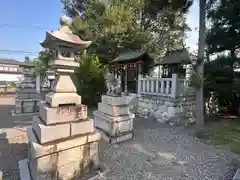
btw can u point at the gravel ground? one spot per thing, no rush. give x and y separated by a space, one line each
13 139
157 152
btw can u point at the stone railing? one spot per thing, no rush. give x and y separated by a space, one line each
170 87
183 88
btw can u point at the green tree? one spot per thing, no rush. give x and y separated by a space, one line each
41 62
223 35
118 26
225 18
89 78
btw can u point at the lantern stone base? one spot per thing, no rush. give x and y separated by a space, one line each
62 141
114 121
95 174
53 155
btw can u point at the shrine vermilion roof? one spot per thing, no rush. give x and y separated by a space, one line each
64 34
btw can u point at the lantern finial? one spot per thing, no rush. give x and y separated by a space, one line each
64 21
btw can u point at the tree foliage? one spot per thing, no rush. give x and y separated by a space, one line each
224 33
219 78
117 26
41 62
89 78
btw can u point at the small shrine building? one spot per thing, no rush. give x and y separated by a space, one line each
164 93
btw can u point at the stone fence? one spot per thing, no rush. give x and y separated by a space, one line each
169 87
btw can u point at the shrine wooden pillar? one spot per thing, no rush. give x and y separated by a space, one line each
139 78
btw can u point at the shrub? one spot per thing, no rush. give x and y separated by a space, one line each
219 78
89 79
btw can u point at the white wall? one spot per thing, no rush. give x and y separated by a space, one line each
10 77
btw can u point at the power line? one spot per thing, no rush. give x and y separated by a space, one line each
23 26
8 51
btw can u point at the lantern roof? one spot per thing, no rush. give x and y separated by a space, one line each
63 35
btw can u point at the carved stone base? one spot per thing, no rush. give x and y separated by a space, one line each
98 173
56 99
113 118
114 126
117 139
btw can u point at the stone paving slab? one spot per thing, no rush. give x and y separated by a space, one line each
157 152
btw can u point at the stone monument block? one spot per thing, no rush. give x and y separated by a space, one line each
113 110
47 134
62 162
37 150
82 127
116 100
113 118
112 126
62 114
56 99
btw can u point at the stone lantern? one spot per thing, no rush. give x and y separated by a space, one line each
64 45
62 141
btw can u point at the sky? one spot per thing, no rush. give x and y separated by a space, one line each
24 23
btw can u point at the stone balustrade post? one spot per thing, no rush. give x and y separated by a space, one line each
174 85
139 84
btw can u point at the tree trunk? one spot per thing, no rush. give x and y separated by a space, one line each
200 68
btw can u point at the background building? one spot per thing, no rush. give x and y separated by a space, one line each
11 70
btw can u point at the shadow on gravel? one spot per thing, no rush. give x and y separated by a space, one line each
10 154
